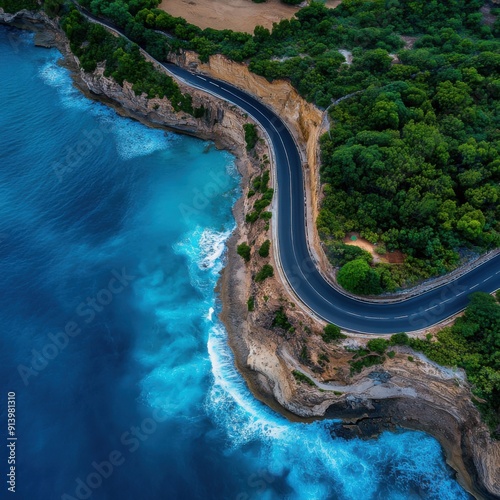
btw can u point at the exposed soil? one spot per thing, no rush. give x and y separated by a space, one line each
395 257
409 41
237 15
488 18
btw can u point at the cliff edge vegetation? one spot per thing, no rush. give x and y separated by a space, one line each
411 162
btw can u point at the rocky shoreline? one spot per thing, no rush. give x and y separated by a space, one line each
400 393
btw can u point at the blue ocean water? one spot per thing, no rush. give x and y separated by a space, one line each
111 242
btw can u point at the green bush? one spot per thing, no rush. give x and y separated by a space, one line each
251 304
266 272
281 321
377 345
365 362
264 182
252 217
13 6
391 354
358 277
264 249
331 333
251 136
243 251
399 339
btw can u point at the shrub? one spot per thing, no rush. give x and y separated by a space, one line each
410 358
281 321
264 182
243 251
266 215
13 6
391 354
251 135
259 205
300 377
358 277
332 333
251 304
304 354
266 272
365 362
399 339
264 249
378 345
252 217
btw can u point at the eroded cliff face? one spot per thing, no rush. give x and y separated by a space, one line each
306 122
413 394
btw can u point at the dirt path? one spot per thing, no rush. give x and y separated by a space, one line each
237 15
395 257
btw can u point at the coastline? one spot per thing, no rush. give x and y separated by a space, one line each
235 283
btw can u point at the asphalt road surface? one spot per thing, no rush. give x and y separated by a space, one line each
311 288
299 269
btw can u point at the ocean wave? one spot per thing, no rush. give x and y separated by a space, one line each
204 249
398 465
132 139
230 402
58 77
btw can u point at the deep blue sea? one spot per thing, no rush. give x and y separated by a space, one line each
111 242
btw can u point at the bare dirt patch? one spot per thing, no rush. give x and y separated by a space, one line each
488 18
236 15
409 41
395 257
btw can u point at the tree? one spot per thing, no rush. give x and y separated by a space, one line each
266 272
251 135
243 251
264 249
378 345
358 277
332 333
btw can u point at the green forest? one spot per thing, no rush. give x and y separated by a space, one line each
411 162
94 44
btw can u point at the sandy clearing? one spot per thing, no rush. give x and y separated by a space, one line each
390 257
237 15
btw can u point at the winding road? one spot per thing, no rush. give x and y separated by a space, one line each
310 287
297 264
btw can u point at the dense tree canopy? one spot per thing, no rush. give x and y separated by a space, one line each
412 160
93 44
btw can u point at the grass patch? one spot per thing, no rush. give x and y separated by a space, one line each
300 377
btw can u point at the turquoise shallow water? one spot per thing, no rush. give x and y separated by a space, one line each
114 233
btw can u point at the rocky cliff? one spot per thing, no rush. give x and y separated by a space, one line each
306 122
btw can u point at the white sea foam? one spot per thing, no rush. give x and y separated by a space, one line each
132 139
210 314
212 245
58 77
230 401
